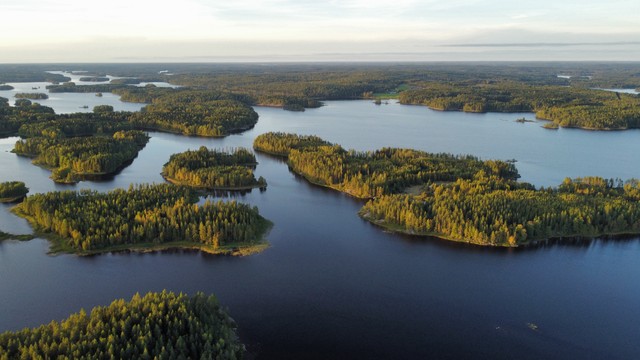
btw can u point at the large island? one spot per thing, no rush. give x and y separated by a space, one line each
460 198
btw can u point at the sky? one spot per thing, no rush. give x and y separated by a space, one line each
317 30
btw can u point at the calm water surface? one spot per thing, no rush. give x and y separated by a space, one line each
334 286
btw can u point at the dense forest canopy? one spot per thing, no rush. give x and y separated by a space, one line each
199 117
487 210
32 96
213 169
374 173
70 158
24 112
565 106
12 190
154 326
142 216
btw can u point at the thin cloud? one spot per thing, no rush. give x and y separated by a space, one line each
545 44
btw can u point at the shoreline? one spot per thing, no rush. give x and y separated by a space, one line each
204 188
58 244
399 229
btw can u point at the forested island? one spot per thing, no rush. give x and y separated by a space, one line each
199 113
32 96
373 173
460 198
94 79
7 236
12 191
4 87
213 169
566 106
154 326
143 218
72 158
487 210
187 112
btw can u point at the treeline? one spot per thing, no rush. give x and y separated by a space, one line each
375 173
142 216
71 87
32 96
71 158
29 73
12 190
24 112
280 144
154 326
490 211
188 112
565 106
22 237
213 169
94 79
199 117
103 121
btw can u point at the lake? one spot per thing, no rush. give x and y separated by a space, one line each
334 286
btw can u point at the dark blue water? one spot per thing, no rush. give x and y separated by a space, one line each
334 286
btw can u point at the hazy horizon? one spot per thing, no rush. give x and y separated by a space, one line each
49 31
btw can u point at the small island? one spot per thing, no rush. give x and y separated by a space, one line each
32 96
94 79
4 87
71 159
143 218
12 191
194 114
213 170
7 236
154 326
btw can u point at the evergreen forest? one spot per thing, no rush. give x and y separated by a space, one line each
161 325
213 169
373 173
144 216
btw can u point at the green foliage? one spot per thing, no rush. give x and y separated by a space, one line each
155 326
33 96
71 87
94 78
77 156
25 112
492 211
374 173
101 122
213 169
11 190
279 143
146 214
195 113
565 106
22 237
